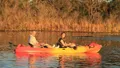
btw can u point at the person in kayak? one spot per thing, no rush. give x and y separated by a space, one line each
32 41
61 43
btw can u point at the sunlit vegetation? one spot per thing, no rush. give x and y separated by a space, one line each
60 15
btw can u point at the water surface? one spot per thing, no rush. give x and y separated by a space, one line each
108 57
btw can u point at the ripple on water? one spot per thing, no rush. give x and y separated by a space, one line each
7 59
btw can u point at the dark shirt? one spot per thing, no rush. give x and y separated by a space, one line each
59 43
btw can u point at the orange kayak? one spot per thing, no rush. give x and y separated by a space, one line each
92 48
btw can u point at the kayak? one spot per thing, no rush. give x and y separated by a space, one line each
91 48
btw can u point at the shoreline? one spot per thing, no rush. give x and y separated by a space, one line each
53 31
61 27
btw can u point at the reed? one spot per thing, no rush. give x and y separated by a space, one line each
52 16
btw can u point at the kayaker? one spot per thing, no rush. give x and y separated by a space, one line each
32 40
61 43
34 43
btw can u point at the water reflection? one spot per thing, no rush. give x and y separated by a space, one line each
37 60
31 61
83 60
61 61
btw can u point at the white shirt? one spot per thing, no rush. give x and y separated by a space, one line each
32 40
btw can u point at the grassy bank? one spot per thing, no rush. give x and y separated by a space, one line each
53 15
62 25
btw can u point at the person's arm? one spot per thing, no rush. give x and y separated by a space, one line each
64 44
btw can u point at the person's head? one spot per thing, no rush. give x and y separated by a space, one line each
33 33
63 34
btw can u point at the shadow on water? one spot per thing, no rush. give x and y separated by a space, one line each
109 53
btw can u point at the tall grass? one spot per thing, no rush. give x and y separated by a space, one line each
51 15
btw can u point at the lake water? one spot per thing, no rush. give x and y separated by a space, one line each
108 57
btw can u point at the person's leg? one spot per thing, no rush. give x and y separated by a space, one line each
48 46
71 45
30 44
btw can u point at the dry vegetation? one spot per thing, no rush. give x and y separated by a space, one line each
60 15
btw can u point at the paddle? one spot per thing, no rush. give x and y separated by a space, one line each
12 46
